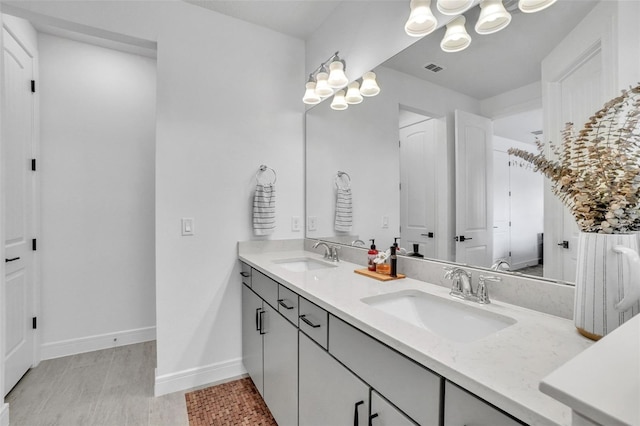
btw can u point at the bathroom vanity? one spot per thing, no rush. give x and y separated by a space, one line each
327 346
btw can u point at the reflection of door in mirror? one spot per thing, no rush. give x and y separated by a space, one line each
418 182
474 193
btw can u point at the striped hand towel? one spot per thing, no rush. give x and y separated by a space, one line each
344 210
264 209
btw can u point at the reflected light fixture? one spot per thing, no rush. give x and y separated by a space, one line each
532 6
339 103
456 38
369 86
421 20
337 77
310 96
453 7
353 95
493 17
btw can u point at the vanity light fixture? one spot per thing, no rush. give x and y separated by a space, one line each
353 95
493 17
453 7
456 38
369 86
421 20
310 96
532 6
322 84
339 103
337 78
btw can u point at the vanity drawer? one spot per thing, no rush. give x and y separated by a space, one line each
411 387
463 408
288 304
265 287
245 271
313 321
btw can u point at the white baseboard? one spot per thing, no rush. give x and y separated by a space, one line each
4 415
194 377
95 343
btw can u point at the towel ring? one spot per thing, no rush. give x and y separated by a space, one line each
340 179
263 169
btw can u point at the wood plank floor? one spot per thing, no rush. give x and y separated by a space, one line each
111 387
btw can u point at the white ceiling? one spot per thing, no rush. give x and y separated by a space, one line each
297 18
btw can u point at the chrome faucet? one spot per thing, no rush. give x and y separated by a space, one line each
462 288
330 252
358 243
501 265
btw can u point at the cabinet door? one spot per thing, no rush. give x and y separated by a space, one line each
463 408
280 367
251 337
329 393
385 414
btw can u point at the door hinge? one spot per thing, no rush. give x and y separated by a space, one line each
33 86
509 223
33 164
34 322
509 254
400 186
33 244
509 193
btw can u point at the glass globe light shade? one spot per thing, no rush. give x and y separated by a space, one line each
310 96
339 103
322 86
337 77
456 38
532 6
353 95
421 20
369 86
453 7
493 17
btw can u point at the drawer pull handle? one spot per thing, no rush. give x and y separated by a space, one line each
371 417
356 420
309 323
245 274
12 259
262 322
282 303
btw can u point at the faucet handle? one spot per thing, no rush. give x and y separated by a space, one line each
334 253
482 292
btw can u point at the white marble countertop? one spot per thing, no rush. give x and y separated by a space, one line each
603 382
504 368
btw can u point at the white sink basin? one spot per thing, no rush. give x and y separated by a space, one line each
303 264
450 319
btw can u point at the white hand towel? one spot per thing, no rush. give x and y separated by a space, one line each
264 209
344 210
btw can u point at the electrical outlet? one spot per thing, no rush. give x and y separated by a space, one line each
295 223
312 223
385 222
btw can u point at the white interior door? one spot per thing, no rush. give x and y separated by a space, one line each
501 206
474 193
17 187
418 183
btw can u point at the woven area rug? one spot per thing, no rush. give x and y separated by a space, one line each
232 403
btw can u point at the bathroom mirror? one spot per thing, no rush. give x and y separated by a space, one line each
424 189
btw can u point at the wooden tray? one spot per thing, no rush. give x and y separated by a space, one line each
380 277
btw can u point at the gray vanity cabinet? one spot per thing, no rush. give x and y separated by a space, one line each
280 340
329 393
251 337
463 408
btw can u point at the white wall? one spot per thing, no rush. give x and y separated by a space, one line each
228 100
97 172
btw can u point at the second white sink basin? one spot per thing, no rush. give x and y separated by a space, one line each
450 319
302 264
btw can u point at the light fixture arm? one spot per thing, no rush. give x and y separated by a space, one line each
323 65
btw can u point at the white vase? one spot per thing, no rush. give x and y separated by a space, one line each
607 282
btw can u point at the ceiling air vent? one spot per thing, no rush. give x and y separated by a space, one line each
537 132
433 67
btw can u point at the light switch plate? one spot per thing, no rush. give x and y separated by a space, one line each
295 223
187 226
385 222
312 223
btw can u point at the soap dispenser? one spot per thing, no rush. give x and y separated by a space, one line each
371 255
394 261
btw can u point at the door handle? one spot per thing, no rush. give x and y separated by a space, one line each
428 235
462 238
245 274
262 322
258 325
356 420
371 417
12 259
564 244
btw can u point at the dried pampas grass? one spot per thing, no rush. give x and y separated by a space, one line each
597 171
